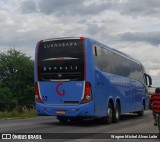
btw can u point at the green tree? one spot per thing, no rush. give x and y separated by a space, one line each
7 102
16 75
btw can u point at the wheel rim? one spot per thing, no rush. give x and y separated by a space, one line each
117 113
110 113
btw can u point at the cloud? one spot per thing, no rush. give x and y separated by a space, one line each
25 22
148 37
73 7
138 8
28 6
133 8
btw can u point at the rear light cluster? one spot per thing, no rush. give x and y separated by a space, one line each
37 94
87 93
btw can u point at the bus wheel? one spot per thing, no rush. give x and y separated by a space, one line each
116 113
141 113
75 119
109 117
62 119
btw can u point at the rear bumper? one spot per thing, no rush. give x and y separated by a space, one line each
83 110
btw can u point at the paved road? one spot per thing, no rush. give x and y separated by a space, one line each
129 123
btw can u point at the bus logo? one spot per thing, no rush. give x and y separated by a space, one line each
57 90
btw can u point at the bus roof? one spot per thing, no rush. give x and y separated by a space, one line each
61 38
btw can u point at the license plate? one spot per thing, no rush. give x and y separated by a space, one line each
60 112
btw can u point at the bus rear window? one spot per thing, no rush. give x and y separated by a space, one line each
61 59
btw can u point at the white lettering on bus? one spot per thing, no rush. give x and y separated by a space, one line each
60 68
63 44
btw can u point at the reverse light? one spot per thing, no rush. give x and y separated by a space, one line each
37 94
87 93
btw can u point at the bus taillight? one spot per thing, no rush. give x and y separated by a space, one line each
37 94
87 93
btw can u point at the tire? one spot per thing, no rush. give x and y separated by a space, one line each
108 119
75 119
141 113
116 113
62 119
158 122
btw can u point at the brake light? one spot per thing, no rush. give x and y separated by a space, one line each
87 93
82 38
37 94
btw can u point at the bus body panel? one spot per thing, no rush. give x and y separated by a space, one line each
112 88
130 92
58 93
84 110
66 96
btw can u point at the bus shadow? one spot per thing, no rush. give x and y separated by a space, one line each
128 117
94 122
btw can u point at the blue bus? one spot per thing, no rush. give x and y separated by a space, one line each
78 78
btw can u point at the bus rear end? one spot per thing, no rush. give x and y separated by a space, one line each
61 88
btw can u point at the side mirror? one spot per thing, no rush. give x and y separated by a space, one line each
148 79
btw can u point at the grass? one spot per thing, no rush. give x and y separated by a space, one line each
26 113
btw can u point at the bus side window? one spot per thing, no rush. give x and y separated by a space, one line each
95 50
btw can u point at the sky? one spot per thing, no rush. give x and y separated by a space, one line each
131 26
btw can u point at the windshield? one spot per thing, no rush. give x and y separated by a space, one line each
61 59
